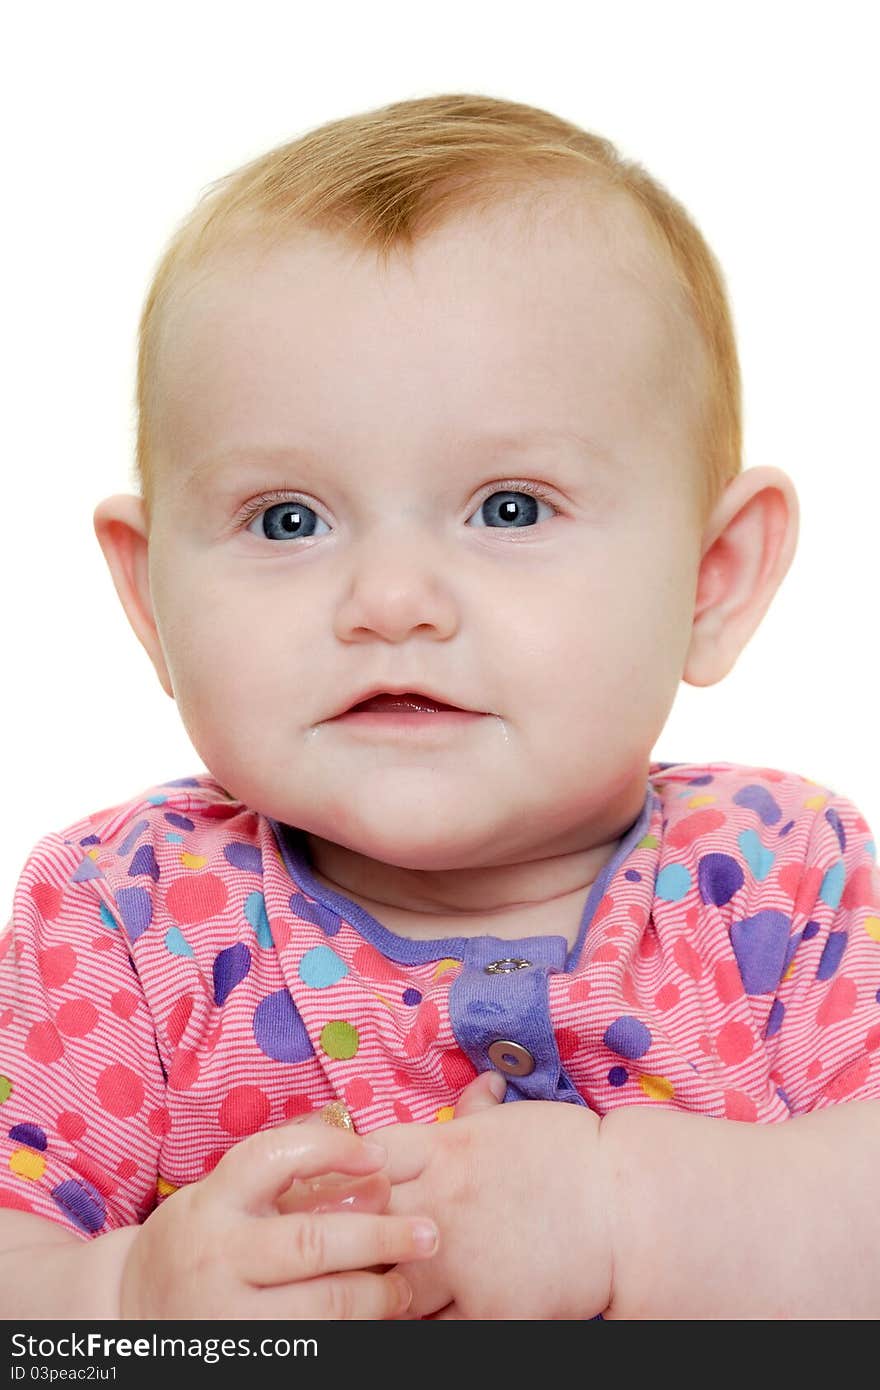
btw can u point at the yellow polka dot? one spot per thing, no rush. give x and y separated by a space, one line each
657 1087
815 803
789 972
93 853
164 1188
193 861
445 1112
872 927
443 965
27 1164
383 1000
704 800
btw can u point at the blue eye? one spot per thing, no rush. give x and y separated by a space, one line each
288 520
510 509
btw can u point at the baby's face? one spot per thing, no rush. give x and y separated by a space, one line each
388 408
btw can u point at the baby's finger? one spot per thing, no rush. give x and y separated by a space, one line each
256 1171
358 1296
337 1192
283 1249
481 1094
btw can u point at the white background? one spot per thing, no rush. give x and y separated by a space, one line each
760 118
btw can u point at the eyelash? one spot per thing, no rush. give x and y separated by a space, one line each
268 499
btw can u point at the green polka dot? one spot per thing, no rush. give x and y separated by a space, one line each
5 1088
339 1039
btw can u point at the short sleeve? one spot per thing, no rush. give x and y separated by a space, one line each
823 1029
82 1088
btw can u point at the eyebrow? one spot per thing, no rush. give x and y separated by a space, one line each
236 457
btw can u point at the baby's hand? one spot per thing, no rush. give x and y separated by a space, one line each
221 1248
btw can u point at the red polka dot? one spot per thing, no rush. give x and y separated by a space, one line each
369 962
628 990
94 1173
403 1113
458 1070
123 1003
579 991
103 943
71 1126
872 1041
739 1106
6 1018
210 1161
56 965
605 952
734 1043
120 1091
602 910
77 1018
245 1110
296 1105
43 1043
615 929
728 981
687 959
567 1043
196 898
402 1079
126 1168
5 943
838 1003
179 1018
858 890
848 1080
358 1093
648 944
213 1037
813 1070
693 826
159 1120
184 1071
667 997
424 1031
48 900
9 1198
704 1043
280 929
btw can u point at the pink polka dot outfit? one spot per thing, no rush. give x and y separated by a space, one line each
174 978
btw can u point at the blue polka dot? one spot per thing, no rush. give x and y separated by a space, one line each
32 1135
321 916
627 1036
255 912
618 1076
82 1203
230 968
774 1019
321 967
279 1031
673 883
810 930
411 996
831 956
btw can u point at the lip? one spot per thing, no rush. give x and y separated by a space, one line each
368 694
410 726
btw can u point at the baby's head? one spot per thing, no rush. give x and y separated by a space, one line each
350 349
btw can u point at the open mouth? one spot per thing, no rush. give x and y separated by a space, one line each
411 702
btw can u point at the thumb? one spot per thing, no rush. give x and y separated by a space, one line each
486 1091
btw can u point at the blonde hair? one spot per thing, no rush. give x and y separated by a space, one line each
388 176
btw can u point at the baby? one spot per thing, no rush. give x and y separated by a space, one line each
440 498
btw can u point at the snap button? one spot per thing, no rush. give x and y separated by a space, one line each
511 1058
505 966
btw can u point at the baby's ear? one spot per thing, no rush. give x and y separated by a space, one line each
121 527
486 1091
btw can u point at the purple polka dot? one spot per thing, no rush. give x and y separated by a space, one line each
836 824
618 1076
783 1096
786 828
627 1036
89 840
317 913
144 862
719 876
131 838
82 1203
831 955
279 1031
810 930
633 875
182 822
757 798
759 944
136 910
242 856
32 1135
411 996
230 968
774 1019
